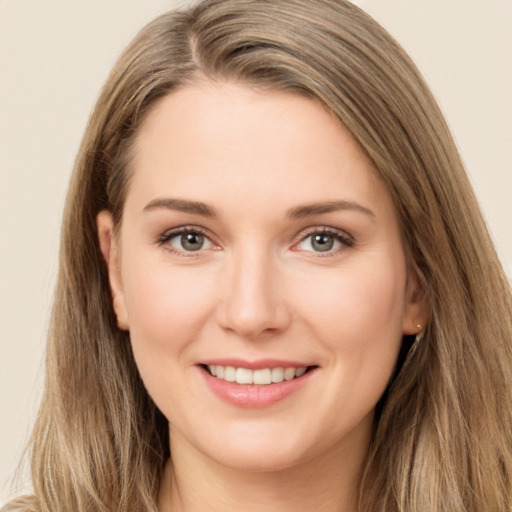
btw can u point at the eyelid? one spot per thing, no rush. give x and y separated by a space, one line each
342 236
169 234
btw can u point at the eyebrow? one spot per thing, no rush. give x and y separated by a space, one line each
308 210
181 205
299 212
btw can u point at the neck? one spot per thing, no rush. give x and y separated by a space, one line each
193 482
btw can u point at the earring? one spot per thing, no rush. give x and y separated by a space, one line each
415 344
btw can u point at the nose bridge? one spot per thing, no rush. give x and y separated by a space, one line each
252 301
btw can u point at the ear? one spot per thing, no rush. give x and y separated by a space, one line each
417 310
110 251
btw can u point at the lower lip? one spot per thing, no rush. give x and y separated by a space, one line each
255 396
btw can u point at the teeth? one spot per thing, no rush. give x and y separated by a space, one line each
261 377
299 372
243 376
289 373
277 375
230 374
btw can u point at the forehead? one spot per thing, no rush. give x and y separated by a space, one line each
222 140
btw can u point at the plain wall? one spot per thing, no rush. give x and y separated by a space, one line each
54 57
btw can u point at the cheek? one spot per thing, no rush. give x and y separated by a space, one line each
357 319
353 299
356 315
167 308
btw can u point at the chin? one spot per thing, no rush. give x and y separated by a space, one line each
249 447
258 460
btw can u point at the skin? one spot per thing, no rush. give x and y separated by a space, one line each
259 288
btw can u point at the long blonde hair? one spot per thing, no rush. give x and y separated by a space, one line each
443 433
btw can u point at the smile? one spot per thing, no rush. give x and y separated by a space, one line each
262 376
257 383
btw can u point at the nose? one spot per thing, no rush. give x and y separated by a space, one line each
253 302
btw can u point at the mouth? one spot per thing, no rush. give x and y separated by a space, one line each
256 384
260 376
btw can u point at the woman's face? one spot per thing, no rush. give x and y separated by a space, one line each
257 243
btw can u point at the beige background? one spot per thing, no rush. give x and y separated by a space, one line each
54 56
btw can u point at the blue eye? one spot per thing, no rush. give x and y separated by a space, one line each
188 241
324 242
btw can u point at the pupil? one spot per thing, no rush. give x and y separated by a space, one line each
192 241
322 243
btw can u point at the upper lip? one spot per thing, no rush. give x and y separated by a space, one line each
256 364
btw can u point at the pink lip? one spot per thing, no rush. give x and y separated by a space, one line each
255 396
255 365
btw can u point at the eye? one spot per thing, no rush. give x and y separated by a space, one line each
187 240
324 241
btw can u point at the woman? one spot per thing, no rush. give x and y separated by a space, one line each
276 289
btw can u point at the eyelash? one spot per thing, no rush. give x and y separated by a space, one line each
346 241
166 237
343 238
